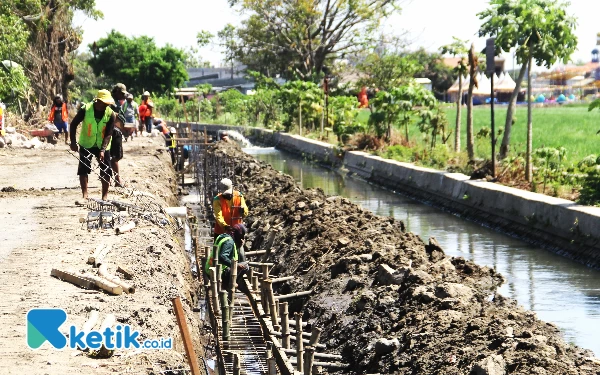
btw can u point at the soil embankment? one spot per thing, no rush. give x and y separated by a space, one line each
388 301
40 230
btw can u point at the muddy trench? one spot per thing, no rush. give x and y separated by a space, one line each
386 300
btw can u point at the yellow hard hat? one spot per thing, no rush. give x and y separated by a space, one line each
105 97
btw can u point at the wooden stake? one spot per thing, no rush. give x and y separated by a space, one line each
255 283
271 302
285 326
185 334
272 366
315 336
214 291
232 288
264 299
299 343
198 264
73 278
293 295
236 364
225 315
309 358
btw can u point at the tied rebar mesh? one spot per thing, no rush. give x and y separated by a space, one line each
143 206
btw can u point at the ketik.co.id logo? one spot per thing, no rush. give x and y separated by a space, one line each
44 325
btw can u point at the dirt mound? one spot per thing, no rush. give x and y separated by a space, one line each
387 300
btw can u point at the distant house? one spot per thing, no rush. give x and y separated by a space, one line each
221 79
425 82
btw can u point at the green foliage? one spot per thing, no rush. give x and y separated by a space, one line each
590 190
13 82
301 38
86 84
305 95
542 25
434 122
431 66
458 48
138 63
396 107
549 162
343 113
386 71
266 107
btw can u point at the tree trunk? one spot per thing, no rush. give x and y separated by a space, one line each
528 166
510 112
458 106
470 141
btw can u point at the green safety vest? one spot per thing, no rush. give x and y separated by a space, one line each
217 249
92 132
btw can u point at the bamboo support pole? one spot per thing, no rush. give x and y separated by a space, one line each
232 288
282 279
125 271
225 315
264 267
104 284
103 272
261 264
185 334
264 300
315 336
316 364
293 323
91 322
269 351
99 254
257 252
271 303
255 283
285 326
309 358
272 366
214 291
198 263
73 278
295 339
125 228
299 342
293 295
317 355
236 364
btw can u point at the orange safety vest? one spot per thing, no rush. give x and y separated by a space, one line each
65 113
232 216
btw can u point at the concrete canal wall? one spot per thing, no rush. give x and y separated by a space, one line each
561 225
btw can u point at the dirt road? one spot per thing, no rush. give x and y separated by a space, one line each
40 230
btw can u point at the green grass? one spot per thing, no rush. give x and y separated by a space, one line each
569 126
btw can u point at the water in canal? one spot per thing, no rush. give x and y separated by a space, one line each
557 289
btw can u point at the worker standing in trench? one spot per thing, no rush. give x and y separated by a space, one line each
229 207
226 248
94 141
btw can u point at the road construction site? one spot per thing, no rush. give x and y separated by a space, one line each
334 288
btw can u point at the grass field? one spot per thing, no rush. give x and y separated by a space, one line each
569 126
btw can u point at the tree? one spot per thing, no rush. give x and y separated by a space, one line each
457 48
386 71
50 39
538 29
430 65
473 64
138 63
301 38
398 106
86 84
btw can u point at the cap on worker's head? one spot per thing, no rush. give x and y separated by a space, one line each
129 96
146 93
58 96
173 130
226 186
239 231
105 97
119 87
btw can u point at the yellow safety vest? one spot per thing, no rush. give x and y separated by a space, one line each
217 249
92 131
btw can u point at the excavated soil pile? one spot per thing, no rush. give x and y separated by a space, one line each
388 301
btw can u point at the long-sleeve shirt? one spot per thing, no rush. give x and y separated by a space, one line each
218 213
226 253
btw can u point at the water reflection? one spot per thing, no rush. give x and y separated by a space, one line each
557 289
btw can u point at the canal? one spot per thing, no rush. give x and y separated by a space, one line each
557 289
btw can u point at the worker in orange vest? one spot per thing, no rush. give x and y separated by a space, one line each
229 208
59 116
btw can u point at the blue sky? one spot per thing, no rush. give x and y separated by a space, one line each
428 23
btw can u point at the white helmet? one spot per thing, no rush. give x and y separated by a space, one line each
173 130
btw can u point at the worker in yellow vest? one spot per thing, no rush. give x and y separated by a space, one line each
94 140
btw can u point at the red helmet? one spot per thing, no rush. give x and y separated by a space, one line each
238 231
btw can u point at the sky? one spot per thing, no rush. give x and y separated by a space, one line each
425 23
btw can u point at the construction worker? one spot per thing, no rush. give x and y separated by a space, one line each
119 93
229 207
169 134
59 116
96 133
130 109
227 246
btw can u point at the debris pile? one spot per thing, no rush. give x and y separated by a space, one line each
386 300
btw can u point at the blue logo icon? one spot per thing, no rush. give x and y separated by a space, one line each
44 324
